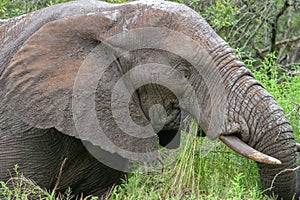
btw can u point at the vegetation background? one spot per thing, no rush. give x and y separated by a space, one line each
266 36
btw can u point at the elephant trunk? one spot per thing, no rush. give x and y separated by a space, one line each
277 141
266 128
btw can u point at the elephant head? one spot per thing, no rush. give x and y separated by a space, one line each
129 68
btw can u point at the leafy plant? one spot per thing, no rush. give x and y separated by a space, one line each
283 86
22 188
19 187
9 9
199 173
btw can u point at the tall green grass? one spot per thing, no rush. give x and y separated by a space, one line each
200 172
204 170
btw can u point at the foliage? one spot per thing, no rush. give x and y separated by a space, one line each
256 27
283 86
221 15
13 8
205 170
21 188
200 173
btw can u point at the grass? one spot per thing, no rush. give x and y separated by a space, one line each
199 172
204 170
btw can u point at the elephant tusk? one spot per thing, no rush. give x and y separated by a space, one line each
242 148
298 146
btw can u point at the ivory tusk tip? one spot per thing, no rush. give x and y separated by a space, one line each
242 148
268 160
263 158
275 161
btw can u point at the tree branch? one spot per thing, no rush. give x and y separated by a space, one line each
257 50
281 56
251 9
281 43
274 25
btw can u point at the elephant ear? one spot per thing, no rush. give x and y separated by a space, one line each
38 82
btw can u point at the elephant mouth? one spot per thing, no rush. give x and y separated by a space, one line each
169 122
173 120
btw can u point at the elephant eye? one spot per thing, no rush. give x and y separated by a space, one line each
183 69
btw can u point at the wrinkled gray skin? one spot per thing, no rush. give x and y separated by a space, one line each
40 55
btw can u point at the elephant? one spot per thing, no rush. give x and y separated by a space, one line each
134 70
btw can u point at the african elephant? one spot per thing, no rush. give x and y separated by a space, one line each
64 66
